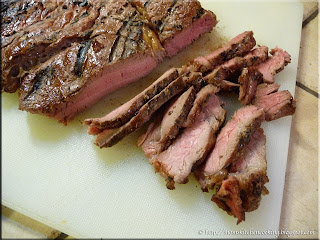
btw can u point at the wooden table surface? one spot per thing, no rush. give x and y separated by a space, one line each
299 216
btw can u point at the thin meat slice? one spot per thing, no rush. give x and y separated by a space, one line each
231 142
276 105
241 191
142 116
266 89
274 64
123 114
229 86
192 145
200 102
237 47
232 69
249 80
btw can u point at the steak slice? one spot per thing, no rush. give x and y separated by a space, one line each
232 69
192 145
266 89
274 64
237 47
241 191
231 142
177 22
143 115
249 80
276 105
123 114
165 128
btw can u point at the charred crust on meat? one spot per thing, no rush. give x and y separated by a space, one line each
81 57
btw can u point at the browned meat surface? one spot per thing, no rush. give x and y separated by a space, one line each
241 191
192 145
231 142
143 115
249 80
121 115
265 89
237 47
113 44
274 64
276 105
165 128
177 22
232 69
229 86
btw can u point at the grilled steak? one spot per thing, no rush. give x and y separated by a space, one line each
113 44
249 80
177 22
232 69
121 115
161 133
143 115
237 47
231 142
274 64
276 105
266 89
192 145
241 191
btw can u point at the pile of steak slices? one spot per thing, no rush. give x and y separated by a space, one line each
186 132
65 55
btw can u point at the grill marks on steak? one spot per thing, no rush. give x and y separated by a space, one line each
232 69
237 47
121 115
231 142
192 145
241 191
143 115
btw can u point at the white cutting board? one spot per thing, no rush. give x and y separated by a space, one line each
55 174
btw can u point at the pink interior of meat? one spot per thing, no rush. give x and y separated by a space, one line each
112 78
188 35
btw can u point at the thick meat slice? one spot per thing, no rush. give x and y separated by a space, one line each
200 102
165 128
265 89
232 69
177 22
231 142
274 64
237 47
192 145
241 191
276 105
143 115
121 115
249 80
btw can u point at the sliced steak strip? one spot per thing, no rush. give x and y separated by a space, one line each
237 47
231 142
229 86
265 89
121 115
165 128
276 105
143 115
241 191
192 145
249 80
200 102
274 64
232 69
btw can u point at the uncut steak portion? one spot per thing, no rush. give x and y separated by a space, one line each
231 142
192 145
241 191
177 22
